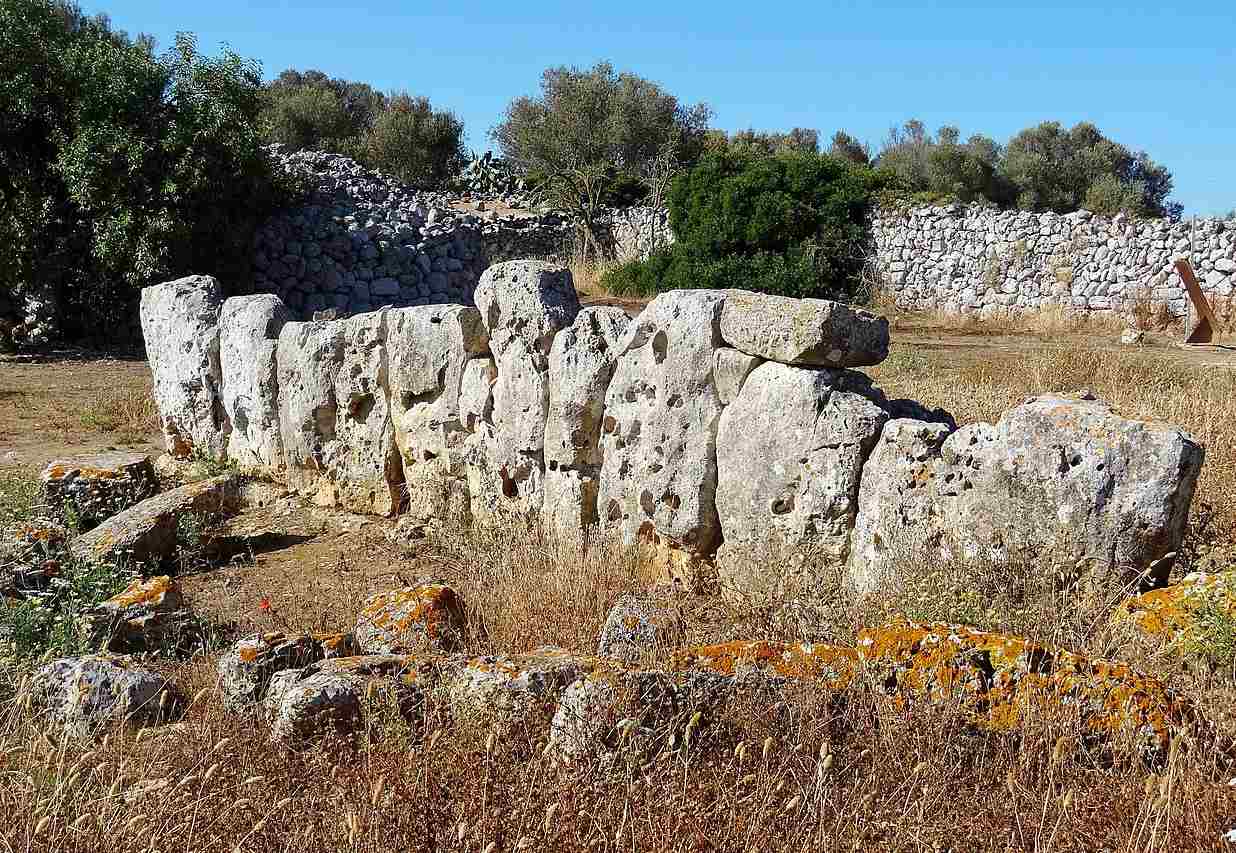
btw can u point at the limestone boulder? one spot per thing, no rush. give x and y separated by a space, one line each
639 627
180 325
528 300
790 453
150 613
731 370
341 695
509 693
1060 482
30 556
476 393
97 486
429 616
658 435
816 332
581 364
89 693
245 670
249 328
148 533
335 414
610 712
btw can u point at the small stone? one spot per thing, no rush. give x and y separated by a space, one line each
96 487
89 693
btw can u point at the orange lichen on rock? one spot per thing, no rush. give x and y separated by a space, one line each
835 666
152 592
1001 679
1167 613
410 619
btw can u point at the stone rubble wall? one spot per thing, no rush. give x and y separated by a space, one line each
975 259
714 428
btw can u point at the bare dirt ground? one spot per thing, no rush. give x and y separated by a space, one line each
307 568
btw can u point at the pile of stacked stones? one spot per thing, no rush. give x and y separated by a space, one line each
977 259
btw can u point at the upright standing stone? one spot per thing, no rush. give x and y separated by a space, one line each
180 324
249 328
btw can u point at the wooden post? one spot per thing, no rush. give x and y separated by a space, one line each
1203 331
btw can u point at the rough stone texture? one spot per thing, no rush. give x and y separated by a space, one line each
86 694
612 711
249 328
342 694
1171 614
658 442
418 618
98 486
245 670
146 533
334 414
638 628
180 323
524 304
1001 680
814 332
30 553
833 667
1058 479
148 614
476 393
730 372
506 693
974 259
790 451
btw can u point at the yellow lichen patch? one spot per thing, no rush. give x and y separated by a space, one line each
33 532
1167 613
834 666
432 610
152 591
1000 679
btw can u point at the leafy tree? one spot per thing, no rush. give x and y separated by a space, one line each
589 128
120 168
308 109
799 139
848 148
415 143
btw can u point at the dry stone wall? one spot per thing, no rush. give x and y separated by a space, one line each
718 428
974 259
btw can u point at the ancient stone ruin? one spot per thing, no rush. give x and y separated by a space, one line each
713 427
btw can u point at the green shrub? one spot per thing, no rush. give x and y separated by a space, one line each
415 143
793 224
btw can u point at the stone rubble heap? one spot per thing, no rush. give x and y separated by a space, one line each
717 428
976 259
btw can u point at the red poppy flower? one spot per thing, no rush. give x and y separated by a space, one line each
264 604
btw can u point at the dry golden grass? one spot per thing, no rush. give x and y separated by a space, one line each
129 412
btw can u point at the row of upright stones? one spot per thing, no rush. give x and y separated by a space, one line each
717 427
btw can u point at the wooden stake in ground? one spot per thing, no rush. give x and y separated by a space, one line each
1203 331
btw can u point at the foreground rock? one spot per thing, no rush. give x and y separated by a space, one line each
1002 681
96 487
790 454
1178 614
814 332
30 556
180 324
249 328
637 628
418 618
147 533
1056 482
344 694
149 614
833 667
515 692
246 669
87 694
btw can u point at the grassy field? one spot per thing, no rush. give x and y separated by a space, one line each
814 773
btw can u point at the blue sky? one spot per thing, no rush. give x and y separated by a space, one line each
1155 76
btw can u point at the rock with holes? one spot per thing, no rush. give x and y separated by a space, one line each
730 370
1002 680
413 619
245 670
526 300
638 627
95 487
1061 483
89 693
658 436
343 694
790 450
148 533
512 692
335 414
249 328
180 324
150 613
814 332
